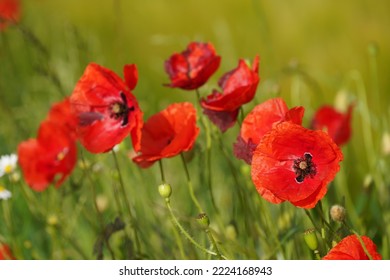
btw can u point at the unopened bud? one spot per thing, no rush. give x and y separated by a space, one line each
203 220
337 213
101 202
52 220
231 231
165 190
386 143
311 239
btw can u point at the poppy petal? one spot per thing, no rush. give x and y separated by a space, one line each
275 158
131 75
167 134
350 248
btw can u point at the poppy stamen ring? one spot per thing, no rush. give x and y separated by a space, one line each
303 167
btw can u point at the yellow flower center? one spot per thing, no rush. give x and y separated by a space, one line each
8 169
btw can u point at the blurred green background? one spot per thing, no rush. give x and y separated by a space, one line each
327 38
312 53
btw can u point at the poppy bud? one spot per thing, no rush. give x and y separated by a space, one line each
203 220
386 143
245 169
231 231
102 202
337 213
52 220
165 190
311 239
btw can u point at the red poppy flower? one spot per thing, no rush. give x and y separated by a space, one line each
338 125
350 248
9 12
61 114
295 164
168 133
238 87
48 159
5 252
106 109
193 67
261 120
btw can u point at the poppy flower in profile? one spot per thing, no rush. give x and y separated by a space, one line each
9 12
61 114
49 158
192 68
259 121
295 164
167 134
106 109
350 248
5 252
337 124
238 88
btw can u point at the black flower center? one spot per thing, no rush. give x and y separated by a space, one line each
303 167
120 110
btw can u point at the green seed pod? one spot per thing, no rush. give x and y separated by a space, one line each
311 239
203 220
165 190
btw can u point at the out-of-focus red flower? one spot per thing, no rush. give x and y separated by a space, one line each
49 158
350 248
238 88
61 114
5 252
338 125
261 120
295 164
192 68
9 12
106 109
168 133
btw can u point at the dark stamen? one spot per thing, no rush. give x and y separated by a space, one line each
121 110
304 167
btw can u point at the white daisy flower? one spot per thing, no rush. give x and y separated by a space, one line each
8 164
4 193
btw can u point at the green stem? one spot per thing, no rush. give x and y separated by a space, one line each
8 221
312 220
185 233
177 236
189 184
323 221
211 237
366 116
374 77
206 126
76 246
161 171
44 71
131 217
317 254
98 213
